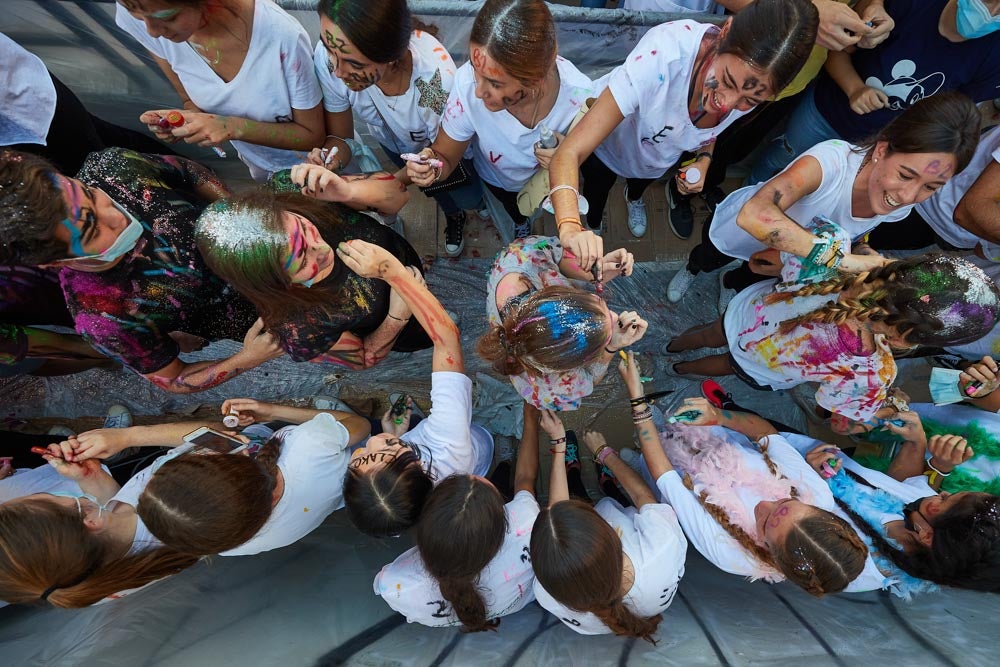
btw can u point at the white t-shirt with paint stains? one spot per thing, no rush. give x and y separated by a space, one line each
276 77
504 149
651 90
407 122
840 163
505 583
652 539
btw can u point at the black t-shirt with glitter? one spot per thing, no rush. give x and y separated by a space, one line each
162 285
363 302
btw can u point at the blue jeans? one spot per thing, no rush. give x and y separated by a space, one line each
806 128
465 198
594 4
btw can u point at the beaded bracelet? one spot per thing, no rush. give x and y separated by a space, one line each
640 417
603 454
556 441
565 221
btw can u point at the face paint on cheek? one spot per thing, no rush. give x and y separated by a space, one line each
777 515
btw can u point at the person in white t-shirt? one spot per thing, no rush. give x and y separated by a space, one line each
376 61
607 568
513 85
243 70
682 85
841 331
770 515
389 478
471 564
915 531
858 187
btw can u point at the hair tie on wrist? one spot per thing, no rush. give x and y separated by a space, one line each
610 351
398 319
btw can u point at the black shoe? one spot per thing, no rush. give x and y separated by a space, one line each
454 237
681 216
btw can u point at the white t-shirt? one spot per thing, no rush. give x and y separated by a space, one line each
651 90
313 462
408 122
129 494
505 584
276 77
445 441
43 479
832 199
652 539
28 99
504 149
939 210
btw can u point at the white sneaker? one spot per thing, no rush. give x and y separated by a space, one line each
61 429
118 416
725 294
679 285
321 402
631 458
636 215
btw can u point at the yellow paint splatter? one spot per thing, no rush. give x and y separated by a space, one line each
305 509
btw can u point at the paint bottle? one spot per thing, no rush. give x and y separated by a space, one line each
232 420
546 137
176 119
691 175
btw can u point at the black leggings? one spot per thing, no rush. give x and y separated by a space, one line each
508 200
75 133
598 179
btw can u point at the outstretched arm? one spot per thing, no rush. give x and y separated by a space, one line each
526 469
558 485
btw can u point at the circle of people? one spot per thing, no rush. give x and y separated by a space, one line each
148 254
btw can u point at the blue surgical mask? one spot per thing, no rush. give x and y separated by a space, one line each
126 241
973 19
308 283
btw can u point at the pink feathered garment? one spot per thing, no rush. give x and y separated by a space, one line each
718 467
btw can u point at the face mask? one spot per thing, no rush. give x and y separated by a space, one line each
308 283
101 508
973 19
126 241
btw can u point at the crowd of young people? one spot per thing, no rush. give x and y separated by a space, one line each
149 255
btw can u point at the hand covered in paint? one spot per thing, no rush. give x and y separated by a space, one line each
629 330
766 262
948 451
261 345
697 411
594 441
839 26
423 174
397 425
152 120
6 467
75 470
99 443
854 263
617 263
882 24
319 182
248 410
544 155
980 378
585 245
552 425
868 99
367 259
912 429
825 460
631 374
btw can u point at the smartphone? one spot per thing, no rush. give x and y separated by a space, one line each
207 439
399 407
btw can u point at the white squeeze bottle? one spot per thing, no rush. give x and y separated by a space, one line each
546 138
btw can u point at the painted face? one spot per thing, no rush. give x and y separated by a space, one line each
776 517
494 86
310 258
165 19
94 222
377 452
730 83
899 179
346 62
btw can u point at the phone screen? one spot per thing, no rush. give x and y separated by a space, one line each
216 442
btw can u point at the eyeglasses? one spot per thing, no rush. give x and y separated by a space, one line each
79 504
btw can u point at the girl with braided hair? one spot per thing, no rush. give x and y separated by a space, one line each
841 332
551 337
749 502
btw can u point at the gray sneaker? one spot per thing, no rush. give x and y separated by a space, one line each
321 402
504 447
118 416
